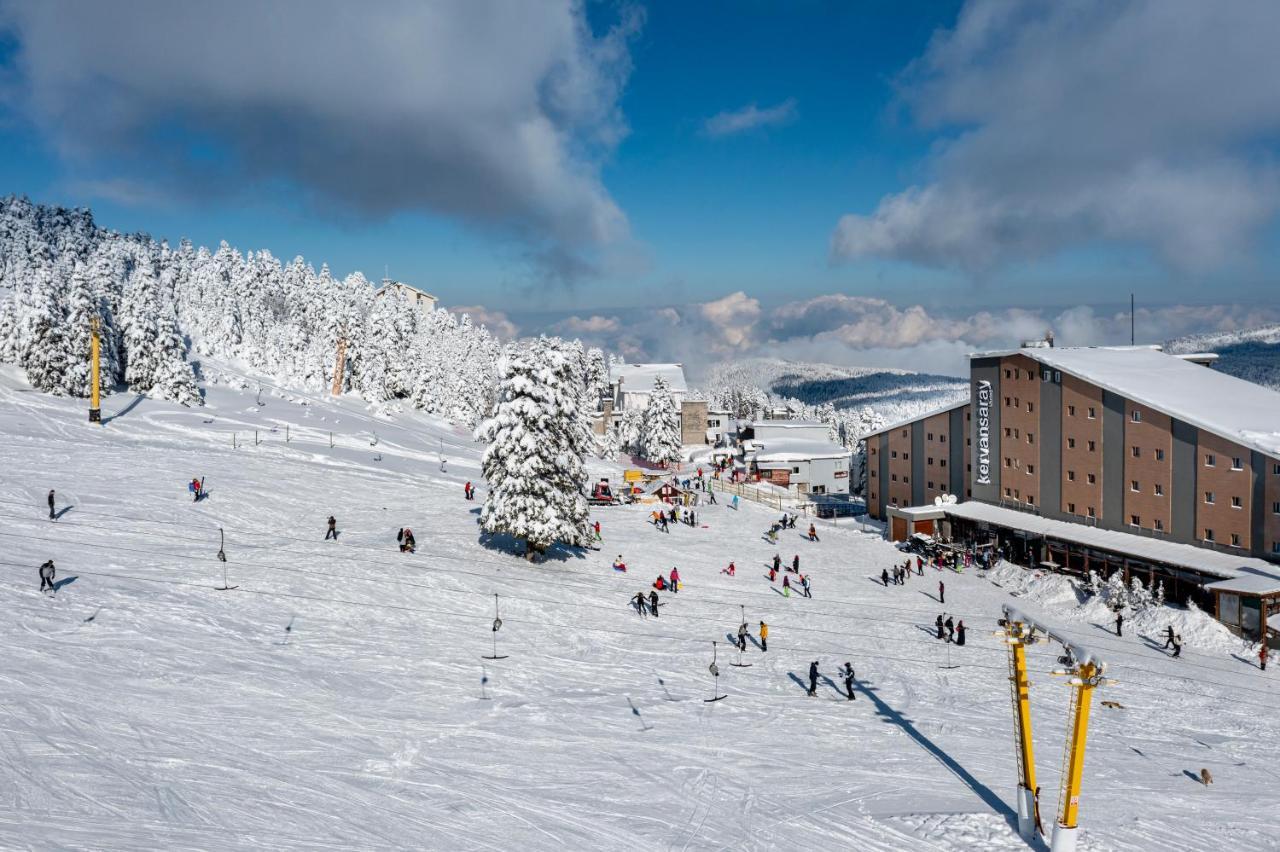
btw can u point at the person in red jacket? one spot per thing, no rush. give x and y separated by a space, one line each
675 580
660 584
731 570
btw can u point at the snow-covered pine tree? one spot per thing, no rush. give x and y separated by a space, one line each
42 324
535 480
661 430
629 431
82 311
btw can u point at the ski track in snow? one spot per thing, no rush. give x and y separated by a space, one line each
155 712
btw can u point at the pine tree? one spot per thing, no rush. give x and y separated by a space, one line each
536 478
44 344
661 430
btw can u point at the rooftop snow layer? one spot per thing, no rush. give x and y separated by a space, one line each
1248 584
1157 550
1239 411
638 378
960 403
798 449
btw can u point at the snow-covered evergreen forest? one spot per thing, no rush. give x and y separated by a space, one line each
162 309
1251 354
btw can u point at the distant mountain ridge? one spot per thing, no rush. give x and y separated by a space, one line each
1251 354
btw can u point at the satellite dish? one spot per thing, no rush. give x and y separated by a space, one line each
937 501
952 499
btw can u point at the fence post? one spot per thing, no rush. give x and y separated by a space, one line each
255 438
286 433
331 440
233 440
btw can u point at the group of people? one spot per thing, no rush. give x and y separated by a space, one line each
794 568
1174 640
899 574
744 632
406 540
661 518
949 630
846 674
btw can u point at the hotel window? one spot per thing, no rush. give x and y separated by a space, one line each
1071 443
1275 468
1209 460
1006 402
1159 490
1135 416
930 461
1135 521
930 436
1031 469
1159 455
894 477
1237 503
1093 513
942 462
1031 406
1071 476
1208 534
1275 508
1136 452
1133 485
1016 434
1031 499
893 454
894 500
1236 463
1007 375
1092 446
1008 431
906 478
1008 462
942 439
1158 525
905 456
931 486
1006 492
1071 508
1016 403
1092 479
1235 539
1031 438
1208 496
873 495
873 474
1016 495
1092 415
904 433
1071 411
1275 548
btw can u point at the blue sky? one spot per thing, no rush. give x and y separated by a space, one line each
552 160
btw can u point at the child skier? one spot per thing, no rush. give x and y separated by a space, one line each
731 570
813 533
46 576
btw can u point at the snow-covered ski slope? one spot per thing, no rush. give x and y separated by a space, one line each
335 699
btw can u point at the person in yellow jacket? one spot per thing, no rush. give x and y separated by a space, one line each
764 636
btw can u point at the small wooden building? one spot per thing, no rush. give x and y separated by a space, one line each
1245 602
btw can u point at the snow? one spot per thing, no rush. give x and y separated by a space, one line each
799 449
898 424
334 699
1248 584
1237 410
639 378
1201 559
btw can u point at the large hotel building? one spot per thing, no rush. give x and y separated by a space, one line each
1100 458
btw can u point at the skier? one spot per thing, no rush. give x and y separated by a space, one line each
951 629
813 678
773 575
884 577
960 632
1177 646
938 623
596 529
653 602
46 576
772 534
53 516
735 502
813 533
1168 632
804 583
194 488
919 566
332 532
711 498
847 673
675 580
742 636
795 563
640 604
731 570
1119 623
662 521
764 641
942 592
777 562
786 587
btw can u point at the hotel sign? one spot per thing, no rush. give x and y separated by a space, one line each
984 432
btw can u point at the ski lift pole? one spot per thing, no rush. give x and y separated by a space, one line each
1086 678
497 625
715 674
95 407
1016 637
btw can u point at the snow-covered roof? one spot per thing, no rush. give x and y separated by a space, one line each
388 285
787 424
933 412
638 378
919 513
1240 411
1190 556
1247 584
799 449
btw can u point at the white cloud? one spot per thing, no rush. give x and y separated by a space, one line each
750 117
496 321
497 114
1060 124
594 324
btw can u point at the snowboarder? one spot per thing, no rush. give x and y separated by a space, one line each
813 533
786 587
1168 632
960 632
938 623
675 580
884 577
332 532
764 639
795 563
942 592
1119 623
804 584
847 673
46 576
653 602
813 678
951 629
742 636
53 516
